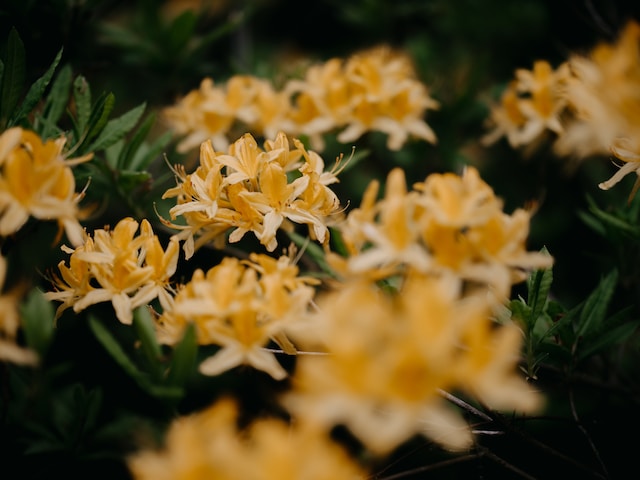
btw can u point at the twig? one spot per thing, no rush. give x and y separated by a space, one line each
433 466
594 449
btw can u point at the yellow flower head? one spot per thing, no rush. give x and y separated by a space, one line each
240 306
36 181
117 266
389 355
209 444
250 189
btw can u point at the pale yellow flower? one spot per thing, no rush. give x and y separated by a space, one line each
241 307
10 349
36 181
117 266
389 355
250 189
622 149
603 95
531 104
209 445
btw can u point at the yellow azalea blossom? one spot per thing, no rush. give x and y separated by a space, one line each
241 307
373 90
530 105
10 349
250 189
209 444
603 95
448 224
36 181
621 149
117 266
389 355
201 115
385 96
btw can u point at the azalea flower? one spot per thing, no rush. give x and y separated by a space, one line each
389 354
631 164
240 306
10 349
36 181
603 95
530 105
117 266
209 444
250 189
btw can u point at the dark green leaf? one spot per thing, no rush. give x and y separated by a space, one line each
183 360
57 101
130 150
595 307
181 30
143 324
82 99
98 119
117 128
35 93
606 339
37 315
147 154
13 76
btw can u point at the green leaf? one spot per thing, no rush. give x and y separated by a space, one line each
37 315
129 151
117 128
595 307
606 339
539 285
82 99
98 119
56 102
147 154
35 93
183 361
612 220
181 30
13 76
127 180
121 358
143 324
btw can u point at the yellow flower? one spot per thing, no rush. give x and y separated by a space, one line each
241 307
530 105
389 355
622 149
208 444
36 180
603 95
10 350
117 266
253 190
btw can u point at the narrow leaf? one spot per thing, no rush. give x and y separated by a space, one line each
13 76
37 315
595 307
143 324
147 154
35 93
607 339
117 128
130 150
57 101
183 361
82 99
98 118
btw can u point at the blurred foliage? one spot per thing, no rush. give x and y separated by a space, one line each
100 71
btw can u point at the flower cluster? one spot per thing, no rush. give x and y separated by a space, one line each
373 90
250 189
590 102
209 444
117 266
448 224
446 256
241 306
36 181
10 323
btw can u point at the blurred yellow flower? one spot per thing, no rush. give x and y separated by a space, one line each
36 181
210 445
389 355
10 349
